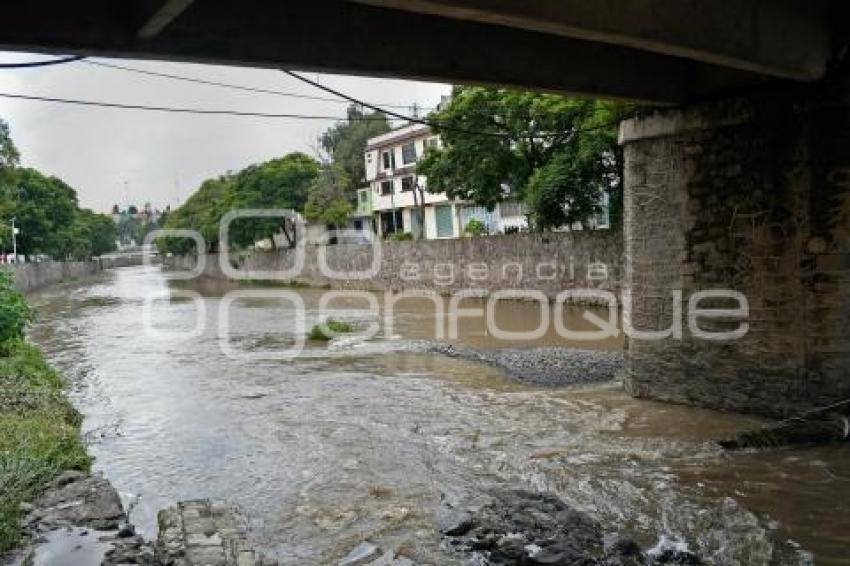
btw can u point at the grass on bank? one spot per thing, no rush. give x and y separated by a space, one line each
330 328
39 429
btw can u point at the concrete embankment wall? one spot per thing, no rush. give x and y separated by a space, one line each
549 263
32 276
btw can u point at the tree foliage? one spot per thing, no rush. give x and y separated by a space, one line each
330 198
549 151
49 220
277 184
345 142
46 212
9 156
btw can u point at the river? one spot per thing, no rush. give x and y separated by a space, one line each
358 439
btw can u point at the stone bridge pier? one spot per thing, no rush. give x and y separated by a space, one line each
749 194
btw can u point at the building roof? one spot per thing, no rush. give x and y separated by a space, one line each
398 135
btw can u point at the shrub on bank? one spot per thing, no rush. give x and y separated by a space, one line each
15 313
39 429
475 228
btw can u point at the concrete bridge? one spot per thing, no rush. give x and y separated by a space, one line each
743 182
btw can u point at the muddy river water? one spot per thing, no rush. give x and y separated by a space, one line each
358 439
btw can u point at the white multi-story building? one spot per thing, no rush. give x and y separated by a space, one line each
396 191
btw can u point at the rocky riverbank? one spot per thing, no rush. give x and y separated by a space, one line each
516 527
79 520
546 366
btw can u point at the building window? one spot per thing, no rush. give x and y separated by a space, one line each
388 160
408 153
603 217
511 209
364 197
430 142
406 184
386 188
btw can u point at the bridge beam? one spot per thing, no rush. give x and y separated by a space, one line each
781 38
342 36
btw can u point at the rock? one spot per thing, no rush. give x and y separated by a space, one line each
622 551
203 532
819 426
134 552
672 556
521 527
561 553
126 530
74 498
25 508
390 559
66 477
363 553
454 522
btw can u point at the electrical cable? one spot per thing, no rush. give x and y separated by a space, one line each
30 64
226 85
437 126
184 110
376 108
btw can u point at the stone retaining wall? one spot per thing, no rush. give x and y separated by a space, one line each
32 276
751 196
549 263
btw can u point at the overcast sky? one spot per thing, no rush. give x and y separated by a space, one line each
115 156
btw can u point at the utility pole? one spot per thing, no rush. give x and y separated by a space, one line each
14 241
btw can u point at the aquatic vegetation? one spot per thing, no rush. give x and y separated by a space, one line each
329 328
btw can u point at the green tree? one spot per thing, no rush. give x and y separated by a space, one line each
45 210
100 230
9 159
277 184
9 156
330 198
345 143
528 132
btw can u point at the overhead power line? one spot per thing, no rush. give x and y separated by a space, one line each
231 86
44 63
377 108
444 127
185 110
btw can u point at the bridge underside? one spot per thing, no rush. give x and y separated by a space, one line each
746 186
658 51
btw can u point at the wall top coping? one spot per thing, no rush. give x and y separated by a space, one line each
670 122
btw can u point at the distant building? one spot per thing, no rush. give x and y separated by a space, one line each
389 204
395 190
